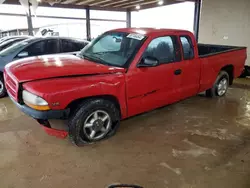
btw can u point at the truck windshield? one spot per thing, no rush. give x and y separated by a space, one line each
113 48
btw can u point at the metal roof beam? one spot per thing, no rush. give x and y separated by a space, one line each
141 4
128 3
99 2
85 2
107 5
113 3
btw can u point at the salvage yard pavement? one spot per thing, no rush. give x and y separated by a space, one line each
198 143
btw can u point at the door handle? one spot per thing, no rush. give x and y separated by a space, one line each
178 72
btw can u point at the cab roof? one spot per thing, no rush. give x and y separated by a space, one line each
151 31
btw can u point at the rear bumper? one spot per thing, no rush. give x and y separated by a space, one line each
43 115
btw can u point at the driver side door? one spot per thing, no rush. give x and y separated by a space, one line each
152 87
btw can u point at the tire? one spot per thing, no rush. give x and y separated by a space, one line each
84 121
3 91
244 73
216 90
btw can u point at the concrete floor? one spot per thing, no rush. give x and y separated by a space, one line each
197 143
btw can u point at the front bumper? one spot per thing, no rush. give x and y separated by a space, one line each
43 116
52 132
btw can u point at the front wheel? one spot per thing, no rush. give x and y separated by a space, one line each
95 120
220 86
3 91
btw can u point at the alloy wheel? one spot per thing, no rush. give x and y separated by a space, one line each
97 125
222 87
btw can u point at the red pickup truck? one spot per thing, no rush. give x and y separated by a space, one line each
122 73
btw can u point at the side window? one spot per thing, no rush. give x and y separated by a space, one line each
35 49
72 46
187 47
51 46
79 45
67 46
161 48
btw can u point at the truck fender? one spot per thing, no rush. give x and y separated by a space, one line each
75 105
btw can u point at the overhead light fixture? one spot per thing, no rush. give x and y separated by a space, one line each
138 7
160 2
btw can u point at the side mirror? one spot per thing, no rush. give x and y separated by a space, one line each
23 54
124 185
148 62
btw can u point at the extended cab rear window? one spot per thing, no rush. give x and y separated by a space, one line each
187 47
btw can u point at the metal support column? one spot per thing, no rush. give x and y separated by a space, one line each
128 18
29 20
197 12
88 30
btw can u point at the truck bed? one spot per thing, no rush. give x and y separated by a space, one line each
206 50
216 57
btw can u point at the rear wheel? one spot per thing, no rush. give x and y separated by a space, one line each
3 91
95 120
220 86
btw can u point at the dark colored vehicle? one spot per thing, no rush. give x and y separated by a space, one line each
10 42
122 73
4 39
37 46
246 72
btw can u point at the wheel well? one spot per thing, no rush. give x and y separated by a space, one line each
230 71
73 106
1 74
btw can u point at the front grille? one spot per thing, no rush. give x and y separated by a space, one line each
11 86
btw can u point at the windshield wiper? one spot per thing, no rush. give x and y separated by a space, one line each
81 56
101 53
95 59
101 60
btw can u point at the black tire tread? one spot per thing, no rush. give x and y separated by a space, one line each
212 91
4 92
244 73
84 108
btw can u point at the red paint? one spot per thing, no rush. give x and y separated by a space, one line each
210 66
136 89
55 132
56 66
11 85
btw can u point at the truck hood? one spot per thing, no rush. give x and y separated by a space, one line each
54 66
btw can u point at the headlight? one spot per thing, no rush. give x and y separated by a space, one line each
34 101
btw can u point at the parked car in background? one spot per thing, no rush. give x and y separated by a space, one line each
122 73
37 46
8 43
4 39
